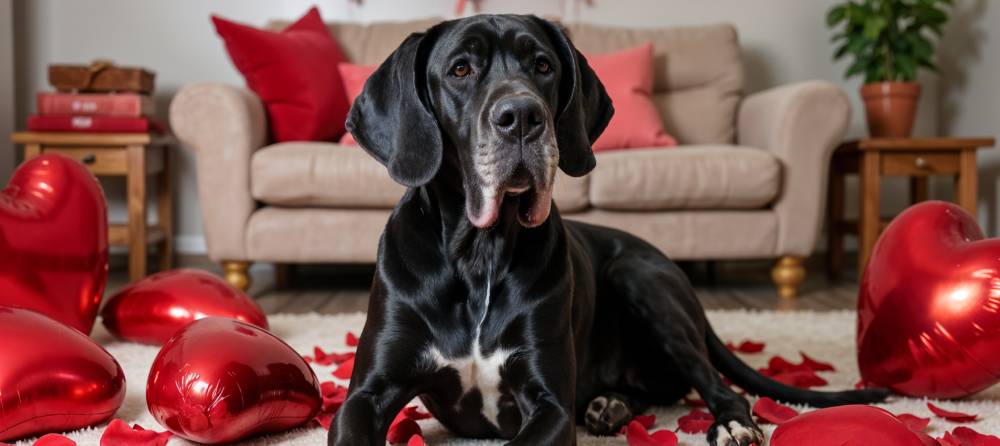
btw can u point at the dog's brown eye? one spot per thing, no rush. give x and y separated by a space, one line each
460 69
542 66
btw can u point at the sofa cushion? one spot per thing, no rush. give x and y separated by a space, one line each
685 177
338 176
369 43
698 75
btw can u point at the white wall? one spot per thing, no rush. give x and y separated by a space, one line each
784 40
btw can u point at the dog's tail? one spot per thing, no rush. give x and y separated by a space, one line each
755 383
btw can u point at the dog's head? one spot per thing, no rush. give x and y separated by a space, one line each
505 99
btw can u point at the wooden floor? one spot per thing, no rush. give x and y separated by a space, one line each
340 289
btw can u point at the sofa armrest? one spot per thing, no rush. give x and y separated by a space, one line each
223 125
801 124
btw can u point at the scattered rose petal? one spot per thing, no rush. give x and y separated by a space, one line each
345 369
118 433
401 430
647 421
694 402
749 346
949 440
969 437
414 413
53 440
957 417
333 397
914 422
695 422
416 440
351 340
636 435
772 412
816 366
800 378
325 419
323 358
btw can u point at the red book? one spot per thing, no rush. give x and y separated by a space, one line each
115 104
106 124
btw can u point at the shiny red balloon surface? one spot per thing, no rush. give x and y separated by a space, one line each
929 305
54 241
152 309
52 378
848 425
219 380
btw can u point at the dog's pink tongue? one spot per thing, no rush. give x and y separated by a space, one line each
487 214
539 210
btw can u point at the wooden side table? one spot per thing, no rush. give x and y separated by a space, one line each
129 155
874 158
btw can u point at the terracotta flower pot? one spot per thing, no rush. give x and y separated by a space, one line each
891 107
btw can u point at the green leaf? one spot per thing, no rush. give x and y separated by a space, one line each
836 15
874 26
859 66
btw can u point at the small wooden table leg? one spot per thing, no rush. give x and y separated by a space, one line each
835 214
165 211
966 182
918 189
136 160
869 221
31 151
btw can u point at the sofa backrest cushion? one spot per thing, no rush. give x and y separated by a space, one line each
370 44
698 75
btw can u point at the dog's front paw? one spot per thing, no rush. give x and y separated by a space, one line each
730 432
606 415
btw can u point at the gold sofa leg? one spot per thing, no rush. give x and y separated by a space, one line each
236 273
788 275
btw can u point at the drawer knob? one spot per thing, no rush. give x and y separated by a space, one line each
920 162
88 158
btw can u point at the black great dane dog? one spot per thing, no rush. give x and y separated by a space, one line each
506 320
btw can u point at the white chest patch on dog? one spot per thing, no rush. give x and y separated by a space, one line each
477 370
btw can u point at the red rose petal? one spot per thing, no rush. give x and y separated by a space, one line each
750 347
323 358
414 413
351 340
772 412
636 435
800 378
730 346
914 422
969 437
333 397
401 430
53 440
345 369
325 419
647 421
416 440
949 440
694 402
118 433
816 366
695 422
957 417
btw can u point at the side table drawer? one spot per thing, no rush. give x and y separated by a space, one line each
100 160
920 164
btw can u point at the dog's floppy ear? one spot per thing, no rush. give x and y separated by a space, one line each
585 108
390 119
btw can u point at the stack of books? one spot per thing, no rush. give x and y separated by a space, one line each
101 97
93 112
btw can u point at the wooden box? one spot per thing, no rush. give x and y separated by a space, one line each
100 77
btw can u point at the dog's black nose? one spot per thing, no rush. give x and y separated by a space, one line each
518 118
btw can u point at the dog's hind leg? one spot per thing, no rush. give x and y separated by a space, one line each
661 305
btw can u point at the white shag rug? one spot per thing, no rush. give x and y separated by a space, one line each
827 336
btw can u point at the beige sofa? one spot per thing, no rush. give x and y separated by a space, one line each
747 182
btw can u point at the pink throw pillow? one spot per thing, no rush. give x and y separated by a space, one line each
628 77
354 77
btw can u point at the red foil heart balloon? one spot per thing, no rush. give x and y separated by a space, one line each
219 380
52 378
848 426
151 310
929 305
54 241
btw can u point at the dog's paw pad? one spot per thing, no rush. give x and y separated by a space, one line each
606 415
735 433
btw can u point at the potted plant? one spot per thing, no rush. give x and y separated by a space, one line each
890 41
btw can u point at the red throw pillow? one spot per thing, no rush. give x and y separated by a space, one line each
628 77
354 77
295 74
